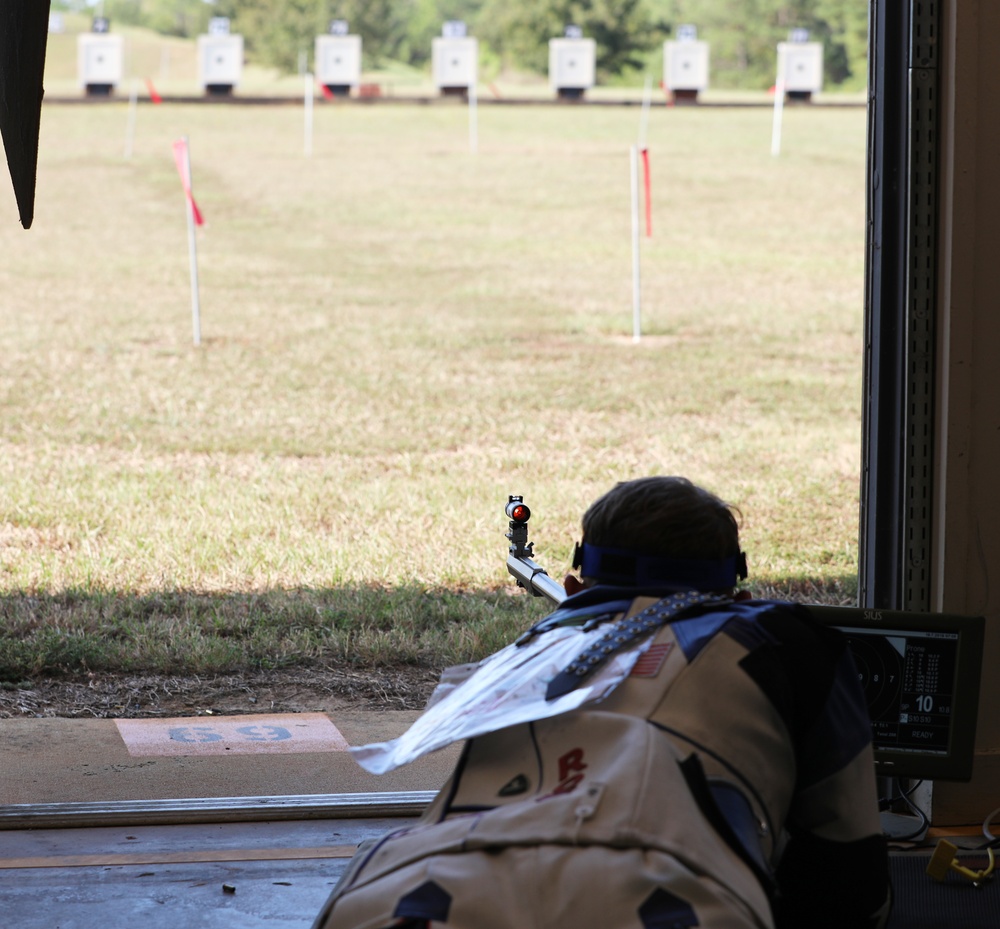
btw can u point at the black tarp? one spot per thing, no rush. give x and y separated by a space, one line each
24 31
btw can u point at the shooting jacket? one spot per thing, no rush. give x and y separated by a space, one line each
728 781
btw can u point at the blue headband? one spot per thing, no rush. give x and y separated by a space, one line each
632 569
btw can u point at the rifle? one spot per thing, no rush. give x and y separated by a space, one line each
520 558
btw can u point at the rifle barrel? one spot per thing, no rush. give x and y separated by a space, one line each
533 577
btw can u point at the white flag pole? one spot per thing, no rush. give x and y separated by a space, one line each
779 105
192 247
309 94
644 117
133 99
473 118
636 281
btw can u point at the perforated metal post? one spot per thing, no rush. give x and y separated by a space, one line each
897 482
921 304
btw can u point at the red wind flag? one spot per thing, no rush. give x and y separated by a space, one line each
181 160
649 199
153 95
326 92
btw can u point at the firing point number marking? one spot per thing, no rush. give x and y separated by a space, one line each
191 734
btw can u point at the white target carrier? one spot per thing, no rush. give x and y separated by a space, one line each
220 62
685 66
572 65
455 62
800 65
338 62
100 58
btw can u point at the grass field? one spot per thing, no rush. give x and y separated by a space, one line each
398 333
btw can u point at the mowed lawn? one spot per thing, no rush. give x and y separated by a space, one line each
397 333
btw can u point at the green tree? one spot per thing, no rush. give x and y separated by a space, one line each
279 32
845 30
381 24
519 30
424 19
168 17
744 34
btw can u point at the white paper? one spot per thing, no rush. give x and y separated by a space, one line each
505 689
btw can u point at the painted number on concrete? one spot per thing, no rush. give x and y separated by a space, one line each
250 733
194 734
233 735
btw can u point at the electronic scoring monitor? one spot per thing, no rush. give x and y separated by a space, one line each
920 673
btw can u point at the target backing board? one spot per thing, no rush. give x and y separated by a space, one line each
572 63
220 60
802 66
100 59
685 65
455 61
338 59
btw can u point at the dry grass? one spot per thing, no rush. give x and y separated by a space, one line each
398 333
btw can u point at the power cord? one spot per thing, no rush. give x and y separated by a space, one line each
991 839
896 794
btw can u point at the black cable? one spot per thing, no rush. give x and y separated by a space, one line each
900 794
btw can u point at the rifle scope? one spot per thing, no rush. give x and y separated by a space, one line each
517 510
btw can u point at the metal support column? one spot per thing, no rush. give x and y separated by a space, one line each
921 306
897 483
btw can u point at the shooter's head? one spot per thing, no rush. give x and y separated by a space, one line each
661 530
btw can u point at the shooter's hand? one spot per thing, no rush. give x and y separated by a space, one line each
572 584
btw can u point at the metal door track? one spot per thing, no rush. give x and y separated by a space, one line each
214 810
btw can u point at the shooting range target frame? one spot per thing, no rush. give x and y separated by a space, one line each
685 68
100 62
220 63
800 64
572 66
338 62
455 63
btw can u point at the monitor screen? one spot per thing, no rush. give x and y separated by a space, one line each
920 673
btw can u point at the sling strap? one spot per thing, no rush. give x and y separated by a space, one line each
623 634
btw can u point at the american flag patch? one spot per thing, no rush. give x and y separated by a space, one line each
651 660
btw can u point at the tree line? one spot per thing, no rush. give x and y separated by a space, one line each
514 34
